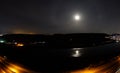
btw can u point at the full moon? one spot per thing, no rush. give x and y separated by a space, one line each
77 17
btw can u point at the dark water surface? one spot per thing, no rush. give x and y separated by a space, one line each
59 60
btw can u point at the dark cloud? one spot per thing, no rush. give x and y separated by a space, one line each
56 16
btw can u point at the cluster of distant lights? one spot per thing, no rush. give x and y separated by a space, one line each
19 44
116 38
2 41
16 43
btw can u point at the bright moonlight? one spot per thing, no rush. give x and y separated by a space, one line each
77 17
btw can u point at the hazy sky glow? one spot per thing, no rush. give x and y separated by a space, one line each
56 16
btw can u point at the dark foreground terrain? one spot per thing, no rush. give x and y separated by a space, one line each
60 59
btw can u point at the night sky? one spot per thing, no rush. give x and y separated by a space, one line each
56 16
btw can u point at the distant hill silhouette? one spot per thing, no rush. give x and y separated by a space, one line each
61 40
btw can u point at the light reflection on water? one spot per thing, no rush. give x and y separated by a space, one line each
76 52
